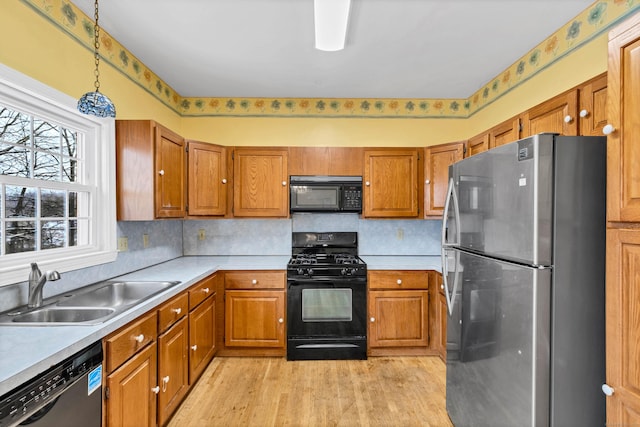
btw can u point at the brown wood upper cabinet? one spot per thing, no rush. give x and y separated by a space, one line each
505 132
557 115
208 179
261 182
436 163
478 144
390 183
623 147
593 106
150 171
325 161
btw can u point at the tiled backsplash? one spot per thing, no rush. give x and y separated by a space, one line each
168 239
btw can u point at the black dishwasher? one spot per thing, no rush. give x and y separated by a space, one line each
68 394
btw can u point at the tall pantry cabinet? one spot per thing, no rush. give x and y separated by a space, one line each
623 222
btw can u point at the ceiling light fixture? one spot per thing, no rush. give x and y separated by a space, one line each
331 18
96 103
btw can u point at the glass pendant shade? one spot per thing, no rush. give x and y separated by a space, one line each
96 103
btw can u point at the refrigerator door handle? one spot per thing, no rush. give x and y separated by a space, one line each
451 196
450 297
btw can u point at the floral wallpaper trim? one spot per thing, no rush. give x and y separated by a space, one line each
593 21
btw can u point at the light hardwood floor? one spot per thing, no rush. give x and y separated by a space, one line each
381 391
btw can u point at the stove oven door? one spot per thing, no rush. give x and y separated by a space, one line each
326 318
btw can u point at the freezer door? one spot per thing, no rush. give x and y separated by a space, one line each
498 344
505 200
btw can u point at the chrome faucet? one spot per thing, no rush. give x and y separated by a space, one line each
36 283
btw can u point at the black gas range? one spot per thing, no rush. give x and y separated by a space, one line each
326 297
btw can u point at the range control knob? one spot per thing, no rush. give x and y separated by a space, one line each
309 271
300 271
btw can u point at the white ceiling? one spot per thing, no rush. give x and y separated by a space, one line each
394 48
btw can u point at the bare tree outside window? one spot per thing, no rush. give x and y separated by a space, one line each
36 216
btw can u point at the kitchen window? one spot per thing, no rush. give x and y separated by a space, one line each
57 181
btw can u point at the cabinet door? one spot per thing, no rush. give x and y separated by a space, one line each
207 184
202 337
437 161
260 186
557 115
504 133
173 373
170 174
390 183
593 106
130 398
477 144
623 326
254 319
623 145
398 318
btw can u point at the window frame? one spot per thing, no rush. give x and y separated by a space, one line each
30 96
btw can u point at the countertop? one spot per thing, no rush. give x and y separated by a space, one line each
27 351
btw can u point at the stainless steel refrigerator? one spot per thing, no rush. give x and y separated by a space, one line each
523 249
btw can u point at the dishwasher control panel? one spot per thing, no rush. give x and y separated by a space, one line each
34 395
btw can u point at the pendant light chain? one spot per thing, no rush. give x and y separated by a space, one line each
96 103
96 45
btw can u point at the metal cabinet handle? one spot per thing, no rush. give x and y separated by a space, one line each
155 389
254 282
194 347
224 181
608 129
399 281
607 389
584 113
568 119
205 290
373 319
165 380
139 338
177 310
161 172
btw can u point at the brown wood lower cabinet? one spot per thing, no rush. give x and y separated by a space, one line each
442 316
202 337
173 369
399 313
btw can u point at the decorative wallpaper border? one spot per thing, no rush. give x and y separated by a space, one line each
593 21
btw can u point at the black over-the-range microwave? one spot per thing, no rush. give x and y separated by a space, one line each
321 193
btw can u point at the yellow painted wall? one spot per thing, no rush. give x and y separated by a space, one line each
33 46
30 44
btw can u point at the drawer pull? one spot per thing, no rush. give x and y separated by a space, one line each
254 282
177 310
155 389
139 338
205 290
608 129
194 347
399 281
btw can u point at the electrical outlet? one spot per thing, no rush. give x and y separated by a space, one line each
145 241
123 244
400 234
201 234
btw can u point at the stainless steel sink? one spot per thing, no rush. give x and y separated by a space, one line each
91 305
115 294
60 315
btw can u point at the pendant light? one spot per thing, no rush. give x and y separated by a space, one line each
96 103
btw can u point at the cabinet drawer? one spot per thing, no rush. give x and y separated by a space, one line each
394 279
201 290
255 280
172 311
125 343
